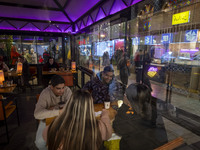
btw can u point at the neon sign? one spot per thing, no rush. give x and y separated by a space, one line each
152 71
181 18
191 35
148 40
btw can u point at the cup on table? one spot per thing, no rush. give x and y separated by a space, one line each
119 103
106 105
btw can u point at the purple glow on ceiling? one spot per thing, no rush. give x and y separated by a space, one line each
44 3
100 15
40 25
107 6
89 22
118 5
7 26
18 24
77 8
28 13
135 1
69 30
63 27
79 24
85 20
52 28
128 2
82 25
76 28
30 27
94 14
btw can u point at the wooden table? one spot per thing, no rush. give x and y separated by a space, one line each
57 72
11 74
7 89
97 107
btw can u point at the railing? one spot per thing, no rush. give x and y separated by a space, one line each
85 71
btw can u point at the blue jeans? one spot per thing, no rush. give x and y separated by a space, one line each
39 141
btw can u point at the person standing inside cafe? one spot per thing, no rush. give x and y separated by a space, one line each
51 65
49 105
136 121
104 87
77 128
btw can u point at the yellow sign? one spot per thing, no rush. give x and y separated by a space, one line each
181 18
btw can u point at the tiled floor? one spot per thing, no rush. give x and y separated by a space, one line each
174 131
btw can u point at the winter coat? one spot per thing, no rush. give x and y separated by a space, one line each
102 92
137 133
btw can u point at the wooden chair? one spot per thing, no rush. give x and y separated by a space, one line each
172 144
6 111
33 73
69 78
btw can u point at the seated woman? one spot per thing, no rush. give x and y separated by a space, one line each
51 65
134 121
76 128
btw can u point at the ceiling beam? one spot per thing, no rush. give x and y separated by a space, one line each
100 3
63 11
29 6
65 5
33 20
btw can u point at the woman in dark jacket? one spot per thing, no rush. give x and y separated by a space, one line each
134 121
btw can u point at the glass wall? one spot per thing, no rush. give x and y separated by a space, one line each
166 43
36 49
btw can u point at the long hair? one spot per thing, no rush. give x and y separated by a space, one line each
76 128
139 97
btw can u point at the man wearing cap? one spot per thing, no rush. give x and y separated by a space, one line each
104 87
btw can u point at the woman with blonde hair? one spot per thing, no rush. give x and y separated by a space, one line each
77 128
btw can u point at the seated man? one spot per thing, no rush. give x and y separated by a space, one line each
50 100
51 64
104 87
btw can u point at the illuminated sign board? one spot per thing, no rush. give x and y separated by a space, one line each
191 35
136 41
166 38
181 18
148 40
152 71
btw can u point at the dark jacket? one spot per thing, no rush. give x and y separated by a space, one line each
48 66
137 133
104 92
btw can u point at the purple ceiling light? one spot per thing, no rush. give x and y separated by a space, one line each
89 22
29 13
6 26
57 15
30 27
44 3
77 8
135 1
117 6
100 15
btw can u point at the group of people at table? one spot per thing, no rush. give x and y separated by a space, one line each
77 128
